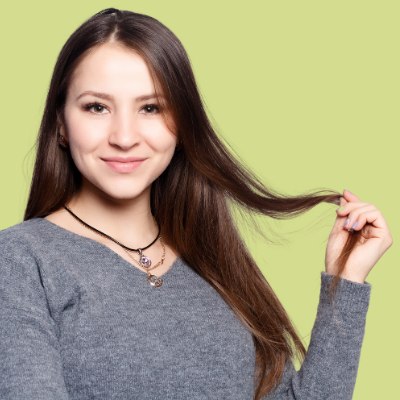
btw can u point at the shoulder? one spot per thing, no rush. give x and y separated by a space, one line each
24 230
20 237
21 274
23 247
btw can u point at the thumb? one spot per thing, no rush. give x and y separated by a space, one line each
343 201
349 196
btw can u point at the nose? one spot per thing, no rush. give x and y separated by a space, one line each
124 130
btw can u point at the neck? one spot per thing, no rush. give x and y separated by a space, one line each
128 221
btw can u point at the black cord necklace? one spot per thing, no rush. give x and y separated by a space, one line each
139 250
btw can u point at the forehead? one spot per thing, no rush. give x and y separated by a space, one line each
111 67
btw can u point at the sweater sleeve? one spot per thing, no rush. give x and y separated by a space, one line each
30 362
330 367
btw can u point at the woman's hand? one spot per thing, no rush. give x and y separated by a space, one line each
375 238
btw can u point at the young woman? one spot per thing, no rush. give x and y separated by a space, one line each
128 278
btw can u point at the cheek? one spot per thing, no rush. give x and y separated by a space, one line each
83 140
83 135
165 148
160 138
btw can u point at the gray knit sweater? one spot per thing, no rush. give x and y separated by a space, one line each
79 322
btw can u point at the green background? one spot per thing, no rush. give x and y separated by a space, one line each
306 93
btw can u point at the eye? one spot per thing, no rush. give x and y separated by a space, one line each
151 109
95 106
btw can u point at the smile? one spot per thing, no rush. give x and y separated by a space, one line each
124 167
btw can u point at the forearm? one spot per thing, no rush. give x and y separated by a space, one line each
331 363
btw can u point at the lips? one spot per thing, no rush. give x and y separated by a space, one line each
123 159
123 164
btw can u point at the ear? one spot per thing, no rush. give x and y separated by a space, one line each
178 145
62 131
61 126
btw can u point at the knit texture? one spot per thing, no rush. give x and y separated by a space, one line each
79 322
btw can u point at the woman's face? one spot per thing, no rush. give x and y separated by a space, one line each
117 136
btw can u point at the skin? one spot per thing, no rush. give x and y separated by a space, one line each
374 242
119 204
113 202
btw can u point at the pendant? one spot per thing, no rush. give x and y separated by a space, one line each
154 280
145 261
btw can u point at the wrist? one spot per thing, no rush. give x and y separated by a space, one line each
352 277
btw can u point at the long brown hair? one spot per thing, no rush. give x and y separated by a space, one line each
192 197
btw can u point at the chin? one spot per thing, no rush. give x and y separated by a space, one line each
117 190
124 194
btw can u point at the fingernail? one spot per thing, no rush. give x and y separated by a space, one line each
354 225
346 222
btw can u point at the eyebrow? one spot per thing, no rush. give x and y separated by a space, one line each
107 96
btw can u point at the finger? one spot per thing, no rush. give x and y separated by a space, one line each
373 217
349 207
349 196
338 225
344 221
343 201
356 218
